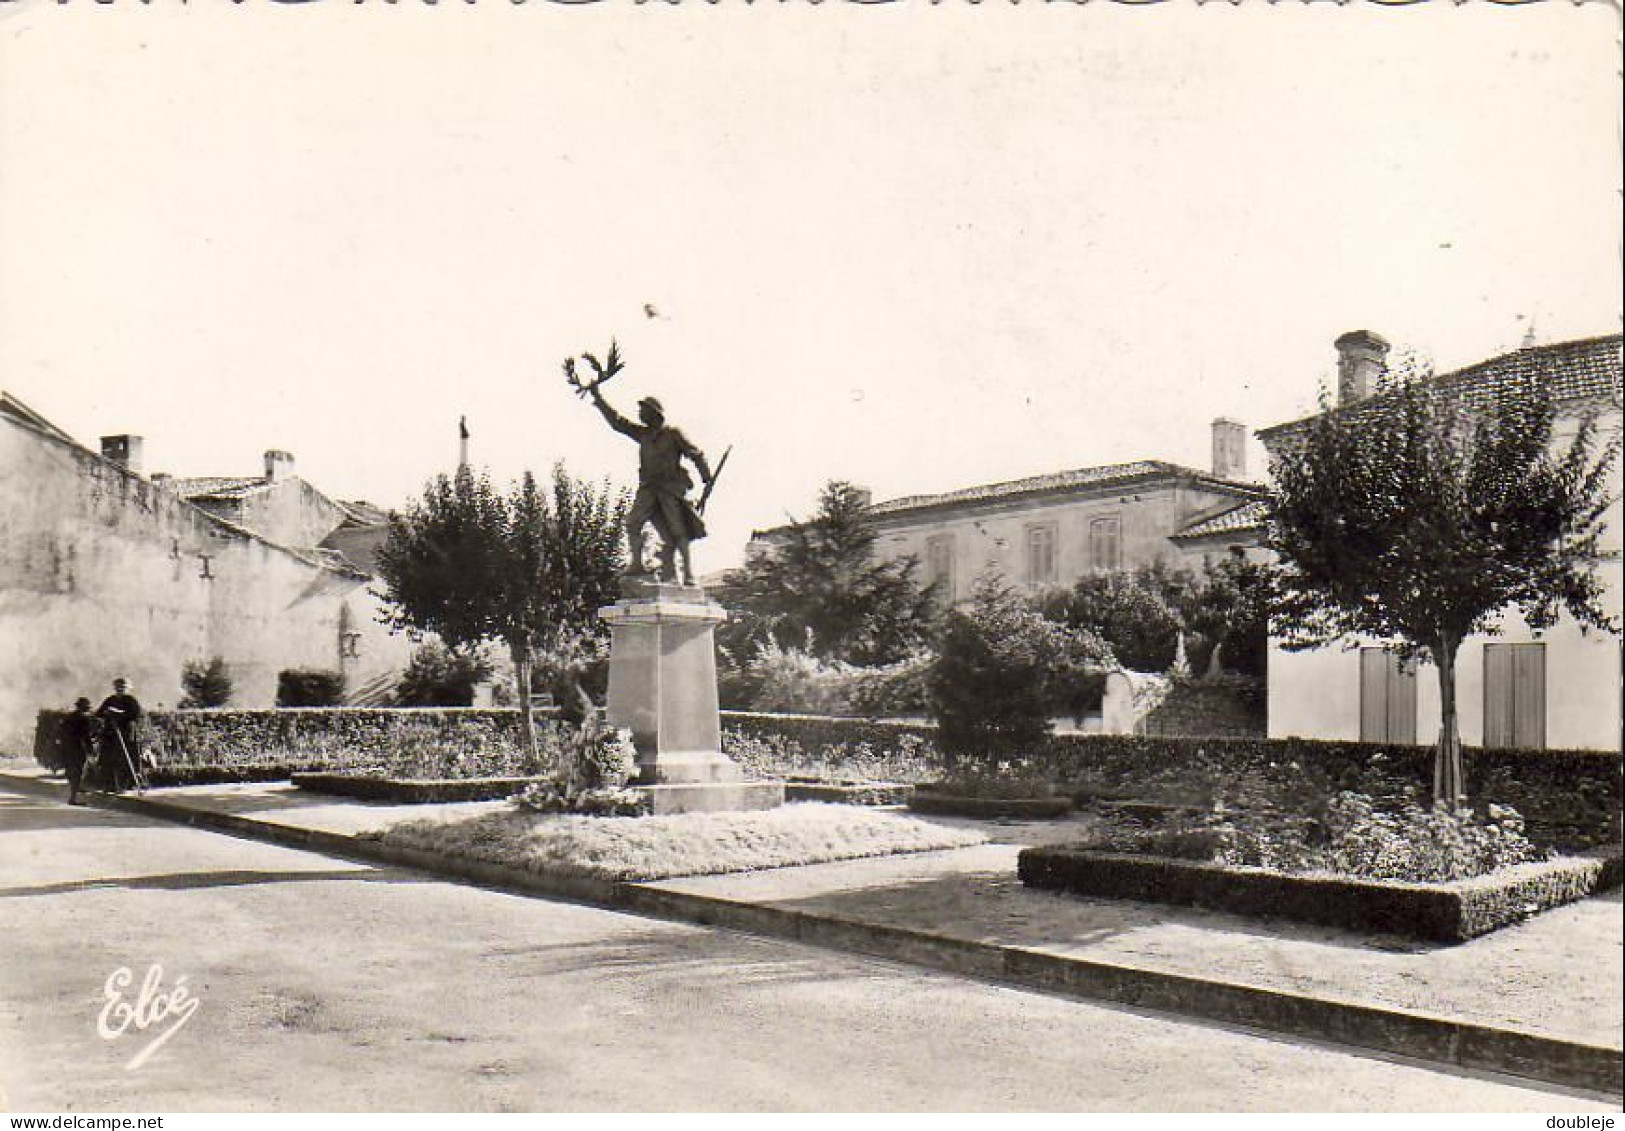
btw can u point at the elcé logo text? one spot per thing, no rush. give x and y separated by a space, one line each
151 1007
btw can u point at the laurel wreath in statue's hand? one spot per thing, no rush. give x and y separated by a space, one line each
611 365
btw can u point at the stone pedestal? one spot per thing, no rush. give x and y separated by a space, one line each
663 688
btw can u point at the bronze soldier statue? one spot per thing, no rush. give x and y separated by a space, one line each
663 482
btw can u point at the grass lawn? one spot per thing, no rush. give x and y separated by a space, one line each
687 844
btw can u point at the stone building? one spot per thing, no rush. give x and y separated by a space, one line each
105 571
1049 530
1559 688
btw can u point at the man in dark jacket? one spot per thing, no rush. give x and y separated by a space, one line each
78 746
120 755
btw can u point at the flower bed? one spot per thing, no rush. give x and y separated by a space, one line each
407 791
648 848
1444 912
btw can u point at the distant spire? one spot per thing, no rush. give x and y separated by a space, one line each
1529 333
462 442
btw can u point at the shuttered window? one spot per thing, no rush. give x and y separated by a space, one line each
1515 695
1387 698
1105 544
1041 554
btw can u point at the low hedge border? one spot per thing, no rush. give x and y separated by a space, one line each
990 808
1447 913
404 791
848 793
228 744
1568 799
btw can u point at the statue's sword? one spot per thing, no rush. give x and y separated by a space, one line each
705 495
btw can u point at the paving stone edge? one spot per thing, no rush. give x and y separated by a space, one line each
1419 1036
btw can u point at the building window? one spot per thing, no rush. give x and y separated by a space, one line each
1387 698
1515 695
1105 544
1041 554
939 564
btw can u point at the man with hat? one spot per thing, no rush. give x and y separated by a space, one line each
78 746
663 486
120 754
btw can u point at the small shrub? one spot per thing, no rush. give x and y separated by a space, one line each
609 759
788 679
309 687
555 797
206 684
438 676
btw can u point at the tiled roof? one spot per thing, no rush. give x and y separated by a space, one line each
1586 369
361 513
1083 477
218 487
1248 516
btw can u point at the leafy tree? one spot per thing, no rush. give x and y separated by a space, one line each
438 676
529 569
1003 669
824 590
1421 515
1139 612
1142 612
1228 608
206 684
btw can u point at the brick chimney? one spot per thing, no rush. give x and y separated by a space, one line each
278 465
1229 449
1361 360
126 451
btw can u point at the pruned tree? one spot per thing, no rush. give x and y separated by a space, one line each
438 676
207 684
529 569
1422 515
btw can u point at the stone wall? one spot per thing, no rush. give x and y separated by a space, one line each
1227 707
104 574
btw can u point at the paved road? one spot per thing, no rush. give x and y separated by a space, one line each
326 985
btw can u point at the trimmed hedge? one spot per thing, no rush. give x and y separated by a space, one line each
990 808
1447 913
1568 799
366 787
258 745
785 746
848 792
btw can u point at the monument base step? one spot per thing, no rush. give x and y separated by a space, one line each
684 767
712 797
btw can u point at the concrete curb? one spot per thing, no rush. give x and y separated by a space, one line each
1418 1036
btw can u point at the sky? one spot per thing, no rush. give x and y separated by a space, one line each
914 247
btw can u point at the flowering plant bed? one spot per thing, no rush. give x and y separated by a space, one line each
411 791
1447 912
